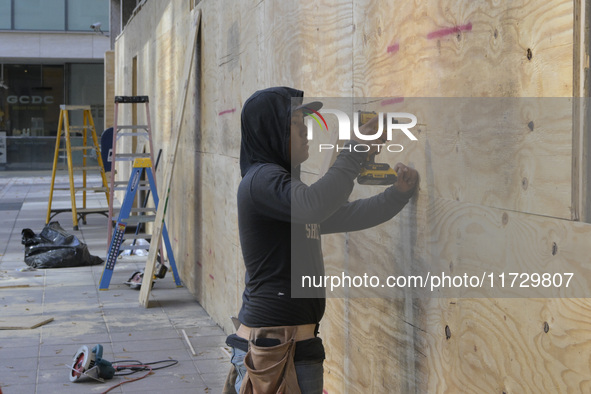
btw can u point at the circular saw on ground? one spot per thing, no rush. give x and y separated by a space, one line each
90 364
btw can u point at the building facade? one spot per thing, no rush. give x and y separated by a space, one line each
51 53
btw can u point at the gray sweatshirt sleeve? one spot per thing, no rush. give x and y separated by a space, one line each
366 213
280 196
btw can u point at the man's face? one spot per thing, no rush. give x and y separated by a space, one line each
298 141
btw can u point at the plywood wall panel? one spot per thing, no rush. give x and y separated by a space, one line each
449 49
474 207
109 93
455 49
508 345
494 344
156 39
381 347
316 59
220 264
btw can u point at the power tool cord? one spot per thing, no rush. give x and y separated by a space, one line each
137 366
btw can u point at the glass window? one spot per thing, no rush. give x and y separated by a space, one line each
5 14
86 87
30 105
83 13
40 15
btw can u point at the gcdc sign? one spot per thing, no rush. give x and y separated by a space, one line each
29 100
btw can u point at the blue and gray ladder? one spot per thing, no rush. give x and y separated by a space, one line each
141 166
130 141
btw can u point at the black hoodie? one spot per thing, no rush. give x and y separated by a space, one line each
280 218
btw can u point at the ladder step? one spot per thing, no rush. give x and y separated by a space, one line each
125 188
91 189
134 247
131 99
75 107
139 219
132 127
81 210
92 210
125 183
129 156
117 185
139 236
143 134
143 210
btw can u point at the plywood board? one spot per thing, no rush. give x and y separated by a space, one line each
450 49
508 345
453 49
222 283
489 194
109 89
170 163
453 234
23 322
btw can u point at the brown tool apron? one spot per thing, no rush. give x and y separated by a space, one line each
271 369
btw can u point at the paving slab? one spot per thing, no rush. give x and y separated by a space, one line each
35 360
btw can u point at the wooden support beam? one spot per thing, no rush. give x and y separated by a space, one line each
580 163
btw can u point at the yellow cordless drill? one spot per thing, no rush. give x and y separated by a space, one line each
373 173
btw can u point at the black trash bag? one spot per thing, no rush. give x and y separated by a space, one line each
55 248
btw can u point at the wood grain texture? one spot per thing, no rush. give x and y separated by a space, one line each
529 244
222 269
462 236
511 153
454 49
490 194
581 187
501 345
109 92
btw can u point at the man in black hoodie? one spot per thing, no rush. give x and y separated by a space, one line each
280 221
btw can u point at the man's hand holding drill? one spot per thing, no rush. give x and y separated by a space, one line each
408 178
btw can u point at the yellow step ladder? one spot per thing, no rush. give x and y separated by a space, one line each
65 132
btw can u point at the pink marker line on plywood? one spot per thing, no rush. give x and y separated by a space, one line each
449 30
392 49
394 100
228 111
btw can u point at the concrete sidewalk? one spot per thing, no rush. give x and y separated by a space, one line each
35 360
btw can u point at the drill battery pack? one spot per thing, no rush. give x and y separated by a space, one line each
377 174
